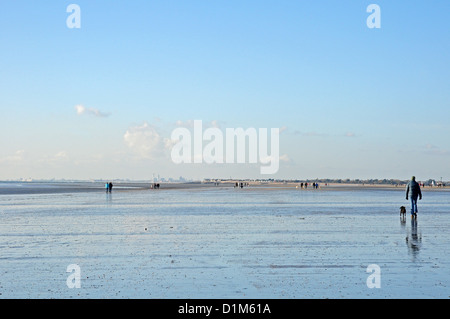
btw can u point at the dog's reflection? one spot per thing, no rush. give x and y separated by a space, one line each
413 239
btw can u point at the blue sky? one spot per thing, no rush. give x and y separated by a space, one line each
352 102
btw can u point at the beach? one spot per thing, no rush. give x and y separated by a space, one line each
197 240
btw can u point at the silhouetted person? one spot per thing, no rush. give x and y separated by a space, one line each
413 192
110 186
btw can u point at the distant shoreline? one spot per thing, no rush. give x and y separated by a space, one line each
30 188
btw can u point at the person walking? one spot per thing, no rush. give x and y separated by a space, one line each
413 192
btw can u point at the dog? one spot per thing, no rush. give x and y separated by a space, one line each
402 211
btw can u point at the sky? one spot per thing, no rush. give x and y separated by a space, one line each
101 101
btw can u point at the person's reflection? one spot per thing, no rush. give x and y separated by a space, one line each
108 199
414 239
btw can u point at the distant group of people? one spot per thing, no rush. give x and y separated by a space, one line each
241 185
109 187
305 185
155 186
435 185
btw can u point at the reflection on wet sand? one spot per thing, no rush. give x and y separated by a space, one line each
414 240
108 199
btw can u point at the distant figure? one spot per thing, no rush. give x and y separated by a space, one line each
301 185
106 187
413 191
110 186
242 185
155 186
306 185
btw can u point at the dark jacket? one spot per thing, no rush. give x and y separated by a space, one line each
413 190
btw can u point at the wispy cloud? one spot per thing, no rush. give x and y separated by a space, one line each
18 156
310 134
350 134
190 124
431 149
60 157
82 110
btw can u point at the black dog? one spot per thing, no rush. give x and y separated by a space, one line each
402 211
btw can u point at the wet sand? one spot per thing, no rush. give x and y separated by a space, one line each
219 242
84 187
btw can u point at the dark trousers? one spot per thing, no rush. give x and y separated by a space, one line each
413 205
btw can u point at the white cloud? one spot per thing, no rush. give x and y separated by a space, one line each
285 158
350 134
145 141
18 156
81 109
61 155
